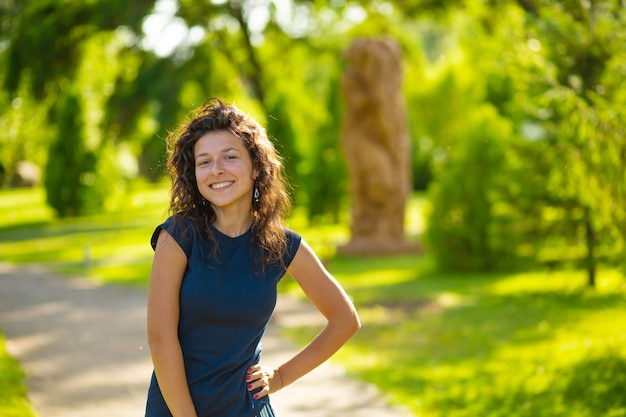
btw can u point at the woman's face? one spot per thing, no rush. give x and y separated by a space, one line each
224 172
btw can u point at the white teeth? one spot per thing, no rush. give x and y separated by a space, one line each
221 185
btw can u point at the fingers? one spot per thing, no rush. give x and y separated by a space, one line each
263 380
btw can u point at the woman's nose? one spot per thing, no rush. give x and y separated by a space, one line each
217 168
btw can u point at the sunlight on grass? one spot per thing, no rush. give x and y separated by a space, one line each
568 280
109 248
414 220
19 206
129 274
323 238
501 345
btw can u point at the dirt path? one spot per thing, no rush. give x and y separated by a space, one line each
83 349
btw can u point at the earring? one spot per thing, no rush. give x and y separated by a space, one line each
257 194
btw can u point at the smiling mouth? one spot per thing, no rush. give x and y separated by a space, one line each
220 185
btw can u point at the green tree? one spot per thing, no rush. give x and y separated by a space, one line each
551 82
70 40
472 218
143 107
25 132
587 141
327 182
70 171
281 131
52 31
582 122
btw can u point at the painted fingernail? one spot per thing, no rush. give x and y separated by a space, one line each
250 386
249 370
256 396
248 378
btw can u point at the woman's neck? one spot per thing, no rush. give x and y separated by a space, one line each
232 224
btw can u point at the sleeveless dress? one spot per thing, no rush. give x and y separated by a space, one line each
226 302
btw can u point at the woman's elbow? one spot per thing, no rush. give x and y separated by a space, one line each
351 322
355 323
154 342
157 340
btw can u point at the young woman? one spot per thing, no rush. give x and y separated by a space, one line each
217 262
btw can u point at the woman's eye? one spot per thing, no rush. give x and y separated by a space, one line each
230 157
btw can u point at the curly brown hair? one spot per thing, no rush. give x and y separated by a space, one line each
186 202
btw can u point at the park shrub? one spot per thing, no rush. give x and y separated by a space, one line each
282 133
70 166
78 180
471 223
326 183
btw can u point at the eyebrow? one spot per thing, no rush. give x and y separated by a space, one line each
225 150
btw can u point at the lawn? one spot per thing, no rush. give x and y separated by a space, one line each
528 344
13 401
533 344
109 248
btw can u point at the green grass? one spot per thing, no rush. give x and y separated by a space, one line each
109 248
13 401
533 344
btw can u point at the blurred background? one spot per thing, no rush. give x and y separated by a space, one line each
515 108
516 115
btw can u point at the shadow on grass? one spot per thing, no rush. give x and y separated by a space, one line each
30 231
598 385
100 248
591 387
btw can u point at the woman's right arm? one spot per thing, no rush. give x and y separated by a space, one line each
168 268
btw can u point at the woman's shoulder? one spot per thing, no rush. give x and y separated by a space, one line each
293 243
180 227
175 223
292 235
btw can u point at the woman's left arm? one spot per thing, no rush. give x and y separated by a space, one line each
332 302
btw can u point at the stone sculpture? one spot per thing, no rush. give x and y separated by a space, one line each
376 145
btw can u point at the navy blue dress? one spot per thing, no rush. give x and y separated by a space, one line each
224 309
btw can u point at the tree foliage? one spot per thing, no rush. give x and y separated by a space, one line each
472 223
327 182
574 147
70 173
53 30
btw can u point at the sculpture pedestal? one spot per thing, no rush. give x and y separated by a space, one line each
378 247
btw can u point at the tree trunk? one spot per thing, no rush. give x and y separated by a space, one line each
256 74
